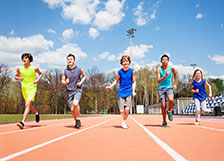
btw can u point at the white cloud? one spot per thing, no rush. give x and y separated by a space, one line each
87 11
141 16
105 55
57 58
93 33
51 31
138 52
67 35
199 16
197 5
12 47
157 28
111 15
31 43
12 32
216 77
55 3
80 11
219 59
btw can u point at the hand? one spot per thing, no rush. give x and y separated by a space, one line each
174 86
108 88
197 90
21 78
35 82
134 93
167 73
79 84
67 81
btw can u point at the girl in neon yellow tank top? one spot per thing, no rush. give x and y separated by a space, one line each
27 75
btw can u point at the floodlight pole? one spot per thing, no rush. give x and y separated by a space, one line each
194 66
130 34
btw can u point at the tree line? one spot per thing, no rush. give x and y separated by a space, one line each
51 94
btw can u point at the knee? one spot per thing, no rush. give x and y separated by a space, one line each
127 108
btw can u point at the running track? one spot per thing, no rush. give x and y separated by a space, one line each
102 139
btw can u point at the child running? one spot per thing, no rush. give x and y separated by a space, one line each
126 76
71 78
199 94
27 75
165 87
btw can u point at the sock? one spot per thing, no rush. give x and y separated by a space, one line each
23 122
77 118
37 113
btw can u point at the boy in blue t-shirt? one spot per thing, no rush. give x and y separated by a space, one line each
126 76
165 86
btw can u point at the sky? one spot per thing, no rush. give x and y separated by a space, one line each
95 31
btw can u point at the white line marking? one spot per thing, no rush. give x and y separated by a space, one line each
167 148
211 128
49 142
204 127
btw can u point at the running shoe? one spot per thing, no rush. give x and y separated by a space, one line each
170 116
124 126
196 123
77 124
164 124
37 118
20 125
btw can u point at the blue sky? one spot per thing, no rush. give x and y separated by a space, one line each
190 31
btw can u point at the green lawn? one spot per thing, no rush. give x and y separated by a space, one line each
13 118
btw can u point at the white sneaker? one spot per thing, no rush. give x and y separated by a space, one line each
124 126
208 110
196 123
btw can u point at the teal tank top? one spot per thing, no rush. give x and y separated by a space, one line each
167 82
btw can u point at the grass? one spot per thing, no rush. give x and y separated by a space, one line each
13 118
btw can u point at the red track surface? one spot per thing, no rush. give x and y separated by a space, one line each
103 139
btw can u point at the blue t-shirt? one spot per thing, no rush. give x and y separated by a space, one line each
201 95
125 88
167 82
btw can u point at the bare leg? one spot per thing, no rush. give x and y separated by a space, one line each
170 98
126 113
27 109
163 105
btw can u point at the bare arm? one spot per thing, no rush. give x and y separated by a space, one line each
83 78
133 84
175 78
114 83
210 88
17 75
192 89
37 70
64 81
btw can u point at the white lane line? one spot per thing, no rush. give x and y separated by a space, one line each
211 128
204 127
51 141
163 145
24 130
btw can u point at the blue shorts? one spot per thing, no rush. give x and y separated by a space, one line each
75 95
163 92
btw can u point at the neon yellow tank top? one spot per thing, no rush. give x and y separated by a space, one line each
29 76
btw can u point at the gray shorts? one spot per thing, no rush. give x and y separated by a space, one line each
125 102
163 93
75 95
